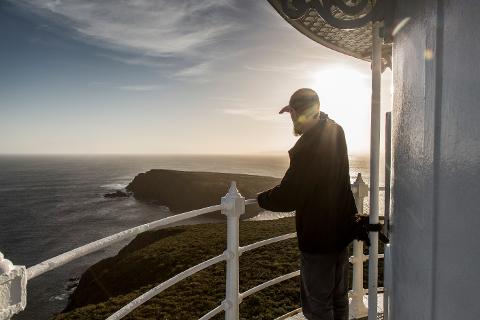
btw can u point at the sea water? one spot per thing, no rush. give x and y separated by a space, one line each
52 204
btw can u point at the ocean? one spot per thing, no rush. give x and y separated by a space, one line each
52 204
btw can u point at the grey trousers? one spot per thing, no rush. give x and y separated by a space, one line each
324 285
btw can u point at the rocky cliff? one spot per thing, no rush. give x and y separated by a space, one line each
184 190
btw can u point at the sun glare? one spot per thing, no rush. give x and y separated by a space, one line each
345 96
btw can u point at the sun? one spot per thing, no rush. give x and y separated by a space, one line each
341 80
345 95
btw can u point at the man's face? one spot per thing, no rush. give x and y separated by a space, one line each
297 123
302 121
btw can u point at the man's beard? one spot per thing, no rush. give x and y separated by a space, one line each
297 132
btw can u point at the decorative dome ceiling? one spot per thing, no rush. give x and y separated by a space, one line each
342 25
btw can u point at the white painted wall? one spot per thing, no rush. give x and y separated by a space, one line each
436 161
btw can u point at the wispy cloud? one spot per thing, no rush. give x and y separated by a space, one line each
130 87
150 27
254 113
227 99
277 68
98 84
138 60
235 106
196 72
139 87
299 71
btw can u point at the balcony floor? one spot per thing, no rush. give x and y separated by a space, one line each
298 315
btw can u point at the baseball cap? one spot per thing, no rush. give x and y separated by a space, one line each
301 100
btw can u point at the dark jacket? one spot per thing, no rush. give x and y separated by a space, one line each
317 186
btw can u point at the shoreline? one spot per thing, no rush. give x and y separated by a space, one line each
83 214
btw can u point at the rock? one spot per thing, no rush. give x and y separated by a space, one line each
183 191
116 194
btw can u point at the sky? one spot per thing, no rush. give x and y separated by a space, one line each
166 77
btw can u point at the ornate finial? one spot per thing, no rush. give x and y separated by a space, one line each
359 178
233 203
359 188
233 188
5 265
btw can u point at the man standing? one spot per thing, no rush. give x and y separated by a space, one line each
317 186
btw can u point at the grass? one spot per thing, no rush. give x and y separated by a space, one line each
153 257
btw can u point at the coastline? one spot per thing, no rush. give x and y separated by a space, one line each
70 209
180 191
183 191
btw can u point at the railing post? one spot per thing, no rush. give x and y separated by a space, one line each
233 206
357 307
13 288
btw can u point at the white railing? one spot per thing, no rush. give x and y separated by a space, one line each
79 252
13 279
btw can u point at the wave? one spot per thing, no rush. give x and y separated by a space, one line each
114 186
269 215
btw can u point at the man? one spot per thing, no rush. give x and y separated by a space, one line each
317 186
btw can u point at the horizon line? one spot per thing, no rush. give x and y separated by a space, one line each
263 153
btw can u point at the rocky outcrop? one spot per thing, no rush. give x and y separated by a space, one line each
184 190
116 194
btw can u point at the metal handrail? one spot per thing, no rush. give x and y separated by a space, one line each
97 245
181 276
132 305
269 283
213 312
266 242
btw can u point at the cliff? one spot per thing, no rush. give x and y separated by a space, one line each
184 190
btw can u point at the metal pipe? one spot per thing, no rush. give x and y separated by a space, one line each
374 168
388 163
386 227
386 282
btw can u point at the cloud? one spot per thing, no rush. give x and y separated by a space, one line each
132 87
98 84
228 99
254 113
139 87
150 27
276 68
138 60
196 73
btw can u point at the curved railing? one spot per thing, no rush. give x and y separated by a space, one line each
225 256
14 278
79 252
165 285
